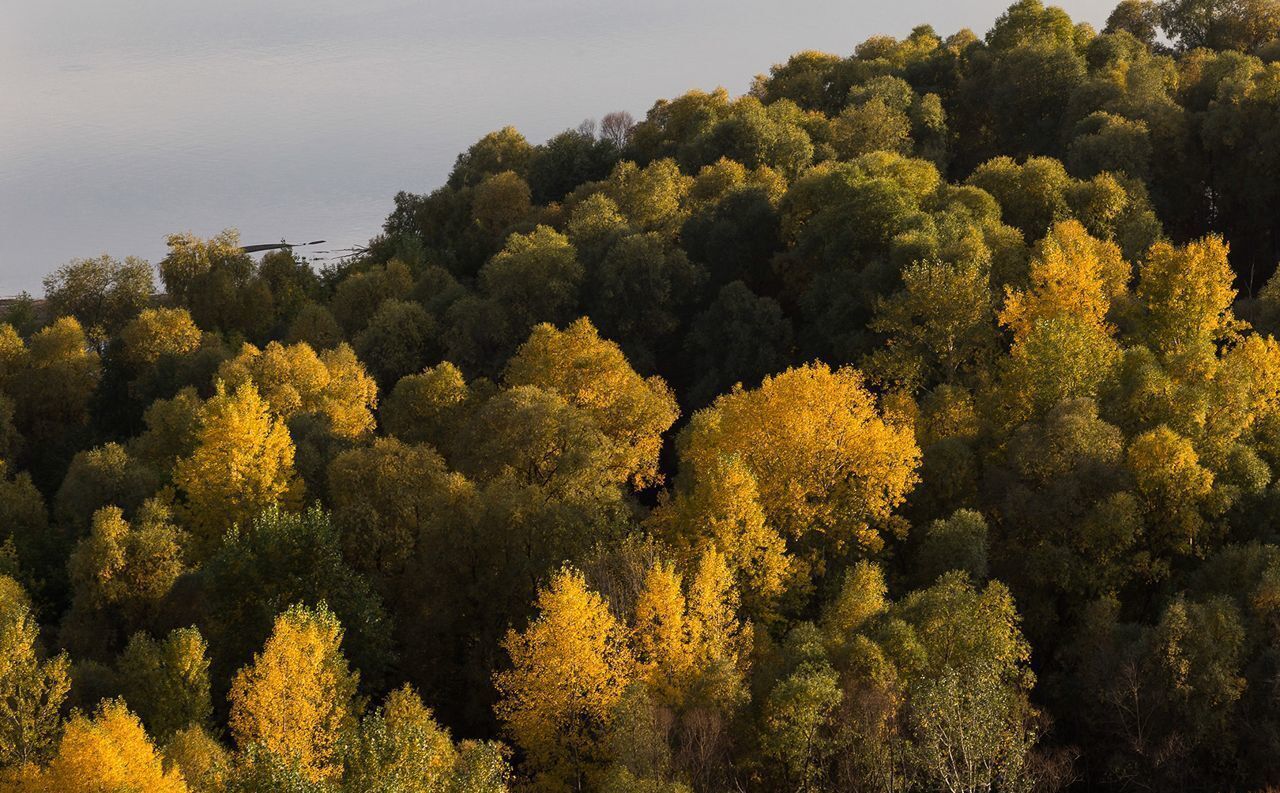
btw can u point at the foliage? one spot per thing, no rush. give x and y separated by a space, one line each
295 700
767 442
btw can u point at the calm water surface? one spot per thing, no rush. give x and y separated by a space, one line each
124 120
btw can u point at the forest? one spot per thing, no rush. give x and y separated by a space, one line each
910 422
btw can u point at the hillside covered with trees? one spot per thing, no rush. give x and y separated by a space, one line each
909 423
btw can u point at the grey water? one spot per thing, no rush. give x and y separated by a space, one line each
122 121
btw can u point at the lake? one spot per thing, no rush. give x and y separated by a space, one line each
126 120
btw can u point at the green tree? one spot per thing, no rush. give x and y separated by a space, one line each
796 718
400 338
638 294
102 294
423 407
166 682
279 560
401 747
103 476
503 150
938 328
500 201
120 575
218 282
384 497
740 338
957 543
1220 24
535 278
1138 18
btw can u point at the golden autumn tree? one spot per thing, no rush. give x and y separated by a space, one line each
293 379
13 355
659 634
110 752
350 395
1186 294
825 462
200 758
31 688
863 595
242 464
690 649
290 379
570 667
718 640
1245 399
159 332
592 373
1063 345
1072 274
1172 487
295 701
721 508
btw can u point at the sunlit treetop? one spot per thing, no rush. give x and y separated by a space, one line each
824 459
591 373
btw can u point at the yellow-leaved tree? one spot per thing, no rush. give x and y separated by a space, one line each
688 642
110 752
592 373
31 689
1187 294
570 667
293 379
721 509
157 333
718 640
200 758
1172 487
1063 345
826 464
659 635
242 464
295 701
1072 274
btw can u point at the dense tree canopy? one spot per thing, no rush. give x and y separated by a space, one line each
908 423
